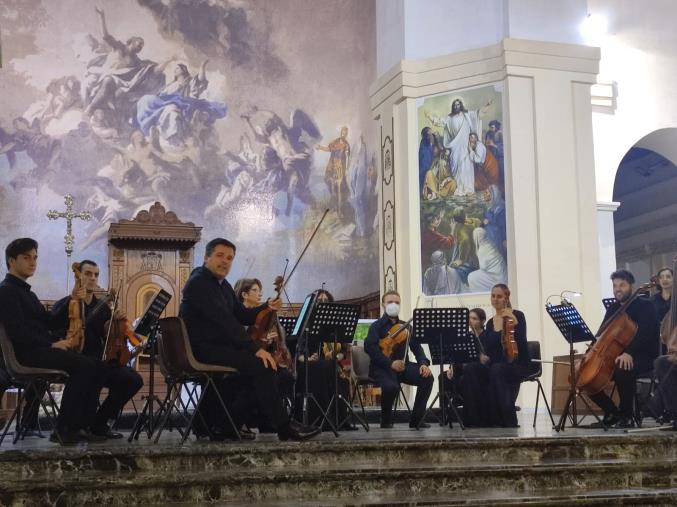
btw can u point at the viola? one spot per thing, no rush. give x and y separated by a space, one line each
508 341
397 335
120 333
266 319
615 335
75 335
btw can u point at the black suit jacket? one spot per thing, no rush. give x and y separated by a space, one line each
214 316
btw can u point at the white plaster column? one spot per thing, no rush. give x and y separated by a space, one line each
550 185
607 244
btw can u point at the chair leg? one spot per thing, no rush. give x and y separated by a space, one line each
538 396
175 392
545 400
210 380
15 416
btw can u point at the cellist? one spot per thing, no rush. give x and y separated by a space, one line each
637 359
390 371
215 320
122 381
28 326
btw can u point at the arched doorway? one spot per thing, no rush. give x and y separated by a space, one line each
645 224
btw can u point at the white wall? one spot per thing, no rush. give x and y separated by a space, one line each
638 53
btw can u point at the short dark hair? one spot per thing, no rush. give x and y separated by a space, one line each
211 246
390 293
495 123
481 314
19 246
623 274
319 292
87 261
245 285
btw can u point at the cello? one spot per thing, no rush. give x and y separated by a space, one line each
120 333
615 334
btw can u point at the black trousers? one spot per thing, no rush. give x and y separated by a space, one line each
626 386
123 383
489 393
389 381
257 386
82 387
664 401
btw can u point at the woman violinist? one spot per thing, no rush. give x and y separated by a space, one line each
637 358
477 318
490 387
248 291
122 381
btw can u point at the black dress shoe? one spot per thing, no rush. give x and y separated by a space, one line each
106 433
297 431
416 426
625 422
88 436
247 434
67 437
386 426
611 419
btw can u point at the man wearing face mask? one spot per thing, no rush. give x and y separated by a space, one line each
389 372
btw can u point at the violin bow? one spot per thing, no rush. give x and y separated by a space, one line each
293 269
110 323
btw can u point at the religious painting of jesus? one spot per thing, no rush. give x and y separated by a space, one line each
462 191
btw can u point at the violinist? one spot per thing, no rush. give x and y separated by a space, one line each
637 359
390 371
122 381
322 376
490 386
663 403
215 319
248 291
28 325
661 299
452 377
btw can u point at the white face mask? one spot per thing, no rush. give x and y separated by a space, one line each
393 309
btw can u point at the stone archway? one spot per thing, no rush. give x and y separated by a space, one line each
645 223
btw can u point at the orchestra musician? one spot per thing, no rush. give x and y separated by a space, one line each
637 359
477 318
122 381
215 320
661 299
28 326
490 386
249 291
322 376
663 403
389 372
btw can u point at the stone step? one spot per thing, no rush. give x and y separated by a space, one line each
266 452
315 483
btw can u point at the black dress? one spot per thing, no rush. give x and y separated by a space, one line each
489 391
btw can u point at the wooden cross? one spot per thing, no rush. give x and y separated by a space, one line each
69 215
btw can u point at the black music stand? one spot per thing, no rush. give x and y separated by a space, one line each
609 302
338 321
288 324
445 330
148 326
301 331
574 330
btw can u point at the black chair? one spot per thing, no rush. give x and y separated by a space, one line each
534 349
179 361
25 379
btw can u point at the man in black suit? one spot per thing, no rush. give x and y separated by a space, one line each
637 359
215 320
28 326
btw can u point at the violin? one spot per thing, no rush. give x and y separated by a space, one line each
266 319
615 335
508 341
119 333
75 335
397 335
